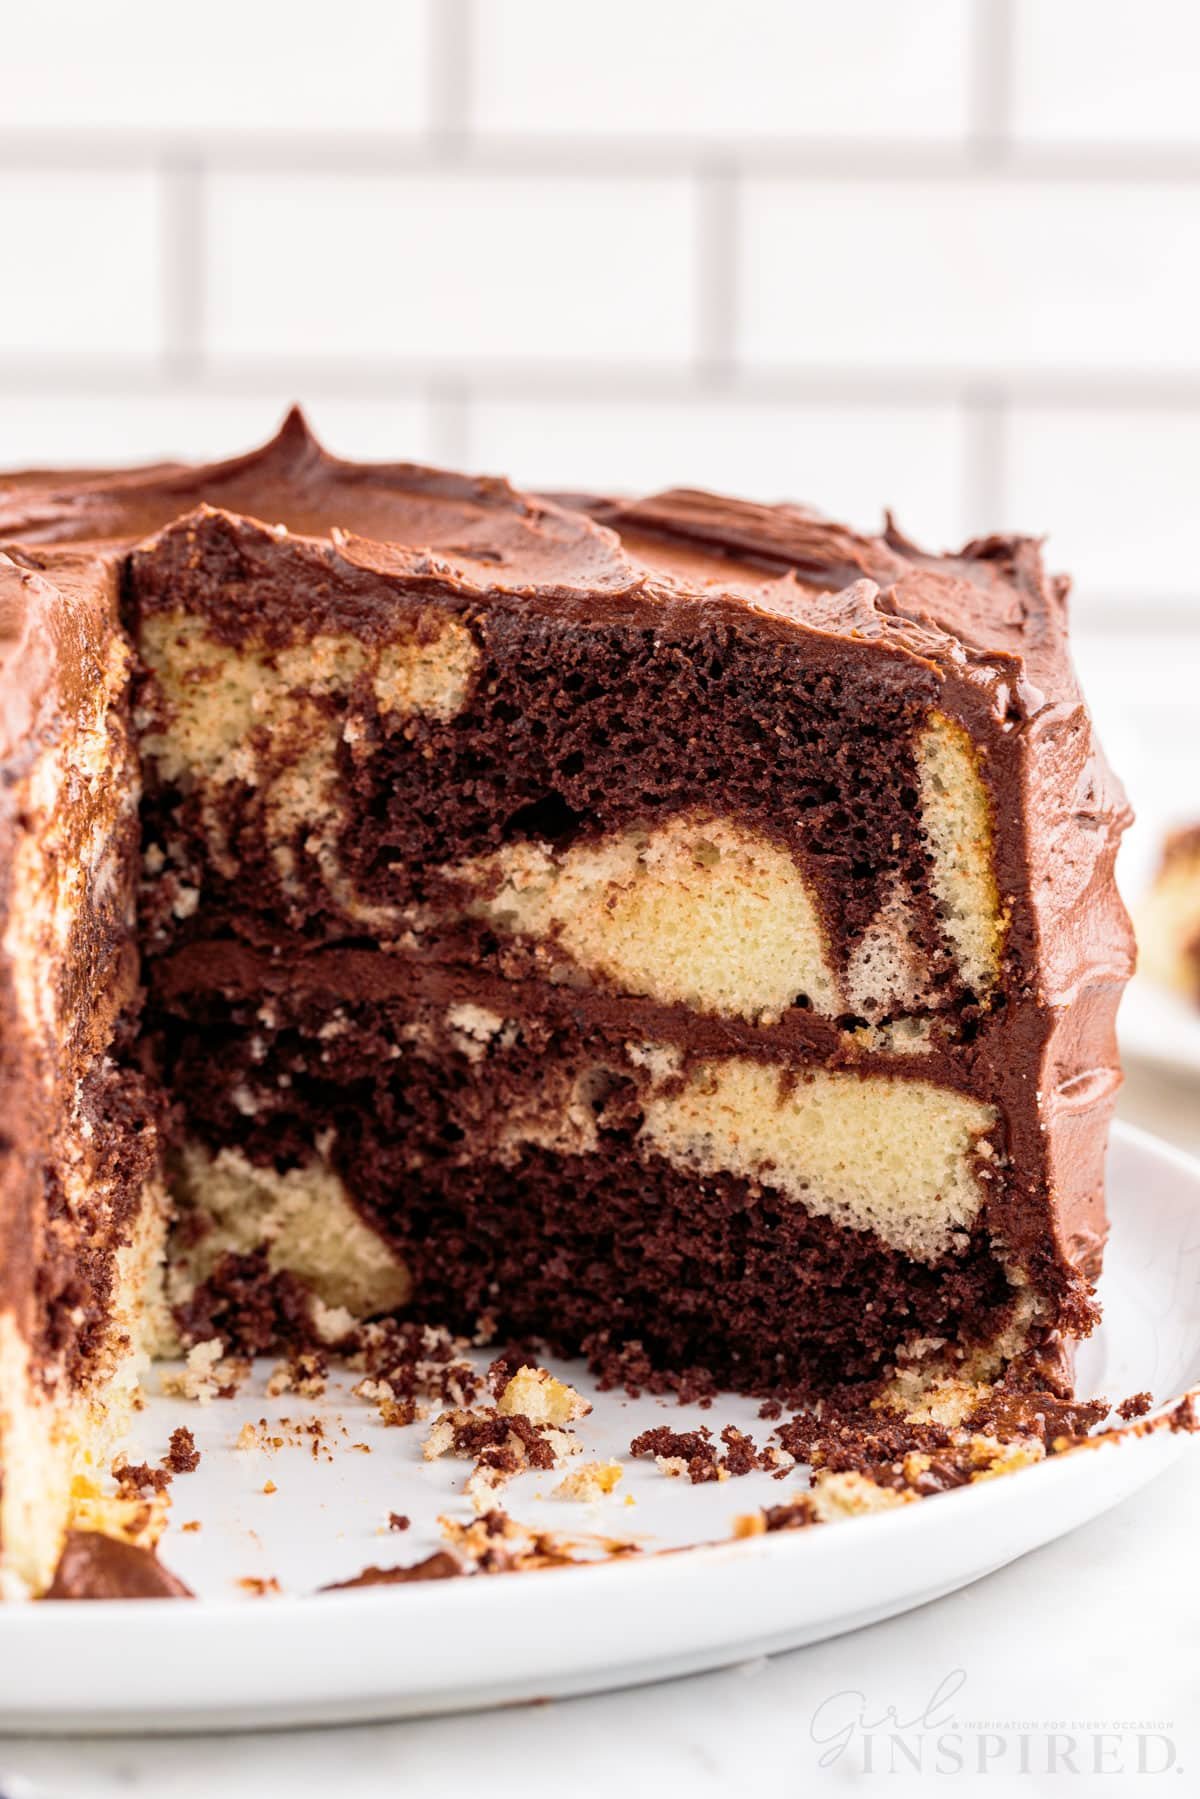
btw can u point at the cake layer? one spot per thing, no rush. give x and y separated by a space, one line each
353 812
618 1256
937 1078
899 1156
419 1116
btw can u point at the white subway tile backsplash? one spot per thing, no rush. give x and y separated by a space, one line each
709 69
117 426
451 268
1104 72
139 64
944 257
847 461
81 264
1116 492
980 274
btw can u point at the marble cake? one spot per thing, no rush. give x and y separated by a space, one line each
679 930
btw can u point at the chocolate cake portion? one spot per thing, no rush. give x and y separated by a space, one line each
682 929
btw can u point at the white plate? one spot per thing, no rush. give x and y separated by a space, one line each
304 1658
1160 1027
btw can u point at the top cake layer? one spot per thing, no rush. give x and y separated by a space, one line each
987 628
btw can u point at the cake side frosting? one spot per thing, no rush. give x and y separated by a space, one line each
82 1210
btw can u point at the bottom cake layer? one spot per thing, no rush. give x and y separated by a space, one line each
641 1267
772 1227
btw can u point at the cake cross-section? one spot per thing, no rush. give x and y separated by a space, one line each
681 931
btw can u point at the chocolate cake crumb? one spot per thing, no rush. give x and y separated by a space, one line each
506 1439
501 1445
136 1478
794 1516
398 1521
695 1454
853 1437
182 1455
414 1362
1136 1406
507 1444
741 1452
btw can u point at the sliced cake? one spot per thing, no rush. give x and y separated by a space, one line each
682 931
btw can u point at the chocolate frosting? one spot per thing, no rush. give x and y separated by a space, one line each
93 1566
438 1566
989 612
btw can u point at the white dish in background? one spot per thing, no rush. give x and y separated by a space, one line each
304 1658
1158 1026
1154 1025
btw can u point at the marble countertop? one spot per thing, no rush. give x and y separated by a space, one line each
1081 1660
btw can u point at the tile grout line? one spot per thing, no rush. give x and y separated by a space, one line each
451 71
717 271
183 250
1170 391
992 50
452 143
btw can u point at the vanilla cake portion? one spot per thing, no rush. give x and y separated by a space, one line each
682 930
1168 921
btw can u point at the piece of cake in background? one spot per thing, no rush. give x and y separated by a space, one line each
1168 918
683 931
